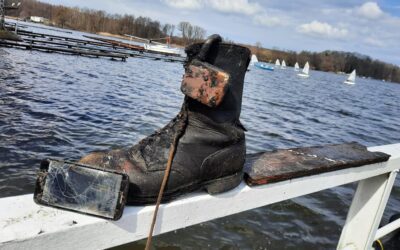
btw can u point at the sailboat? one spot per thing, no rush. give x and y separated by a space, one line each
304 73
253 60
263 65
152 46
296 67
352 78
277 63
283 64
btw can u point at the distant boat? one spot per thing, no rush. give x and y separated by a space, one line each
305 71
253 60
263 65
277 63
152 46
163 49
352 78
283 64
296 67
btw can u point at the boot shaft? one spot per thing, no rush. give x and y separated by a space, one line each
234 60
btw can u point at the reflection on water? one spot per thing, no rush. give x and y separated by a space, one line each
66 106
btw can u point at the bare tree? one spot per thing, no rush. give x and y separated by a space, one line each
62 16
191 33
258 49
183 27
172 30
198 33
167 29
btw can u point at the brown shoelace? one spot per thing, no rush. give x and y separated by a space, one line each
171 155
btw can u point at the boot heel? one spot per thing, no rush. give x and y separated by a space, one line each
224 184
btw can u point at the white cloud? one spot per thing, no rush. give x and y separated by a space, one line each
268 20
374 42
328 11
321 29
370 10
235 6
185 4
227 6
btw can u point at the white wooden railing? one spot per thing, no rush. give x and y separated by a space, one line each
25 225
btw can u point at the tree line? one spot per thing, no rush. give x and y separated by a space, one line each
332 61
99 21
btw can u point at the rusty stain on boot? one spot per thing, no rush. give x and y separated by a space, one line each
205 83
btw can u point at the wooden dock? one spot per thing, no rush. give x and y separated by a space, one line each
117 43
25 33
131 46
25 25
79 52
81 47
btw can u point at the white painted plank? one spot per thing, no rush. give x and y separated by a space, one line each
25 225
387 229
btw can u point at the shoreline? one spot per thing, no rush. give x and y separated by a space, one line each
262 53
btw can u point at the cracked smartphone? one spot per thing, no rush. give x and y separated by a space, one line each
81 188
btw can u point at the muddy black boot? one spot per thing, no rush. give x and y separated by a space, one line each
211 149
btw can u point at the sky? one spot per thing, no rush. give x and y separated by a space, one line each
367 27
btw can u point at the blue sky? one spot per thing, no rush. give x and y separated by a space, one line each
367 27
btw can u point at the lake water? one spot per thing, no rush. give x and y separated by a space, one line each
62 106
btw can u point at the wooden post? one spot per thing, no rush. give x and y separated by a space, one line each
366 211
2 14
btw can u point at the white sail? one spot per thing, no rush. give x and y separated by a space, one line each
304 73
283 64
352 76
277 63
306 68
253 59
296 67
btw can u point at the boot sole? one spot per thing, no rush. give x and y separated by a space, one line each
212 187
223 184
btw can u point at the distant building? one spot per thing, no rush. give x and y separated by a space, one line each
38 19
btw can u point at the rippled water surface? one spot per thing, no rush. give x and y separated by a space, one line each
63 106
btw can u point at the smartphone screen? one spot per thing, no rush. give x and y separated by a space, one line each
82 189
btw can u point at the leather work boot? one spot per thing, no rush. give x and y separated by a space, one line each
211 149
